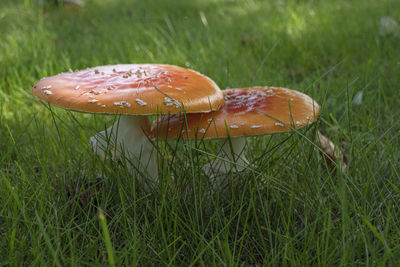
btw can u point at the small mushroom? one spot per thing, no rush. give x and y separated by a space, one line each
133 97
247 112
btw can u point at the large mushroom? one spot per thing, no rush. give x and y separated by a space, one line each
247 112
133 91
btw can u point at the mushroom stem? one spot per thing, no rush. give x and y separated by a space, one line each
127 139
230 157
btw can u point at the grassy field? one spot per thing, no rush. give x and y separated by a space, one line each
287 209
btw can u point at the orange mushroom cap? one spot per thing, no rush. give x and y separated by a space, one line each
136 89
247 112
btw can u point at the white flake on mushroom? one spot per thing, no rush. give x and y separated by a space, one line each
140 102
161 72
289 92
240 96
122 104
128 74
254 92
279 124
94 92
138 74
93 100
47 92
170 102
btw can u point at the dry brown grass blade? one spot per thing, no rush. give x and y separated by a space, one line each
334 157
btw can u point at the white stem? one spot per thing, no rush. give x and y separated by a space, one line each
231 157
126 139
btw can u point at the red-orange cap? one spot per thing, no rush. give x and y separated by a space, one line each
247 112
137 89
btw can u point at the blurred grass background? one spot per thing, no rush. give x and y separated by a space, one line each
300 214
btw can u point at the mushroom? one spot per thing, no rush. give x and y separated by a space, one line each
132 91
247 112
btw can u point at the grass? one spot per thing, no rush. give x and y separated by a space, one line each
288 210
